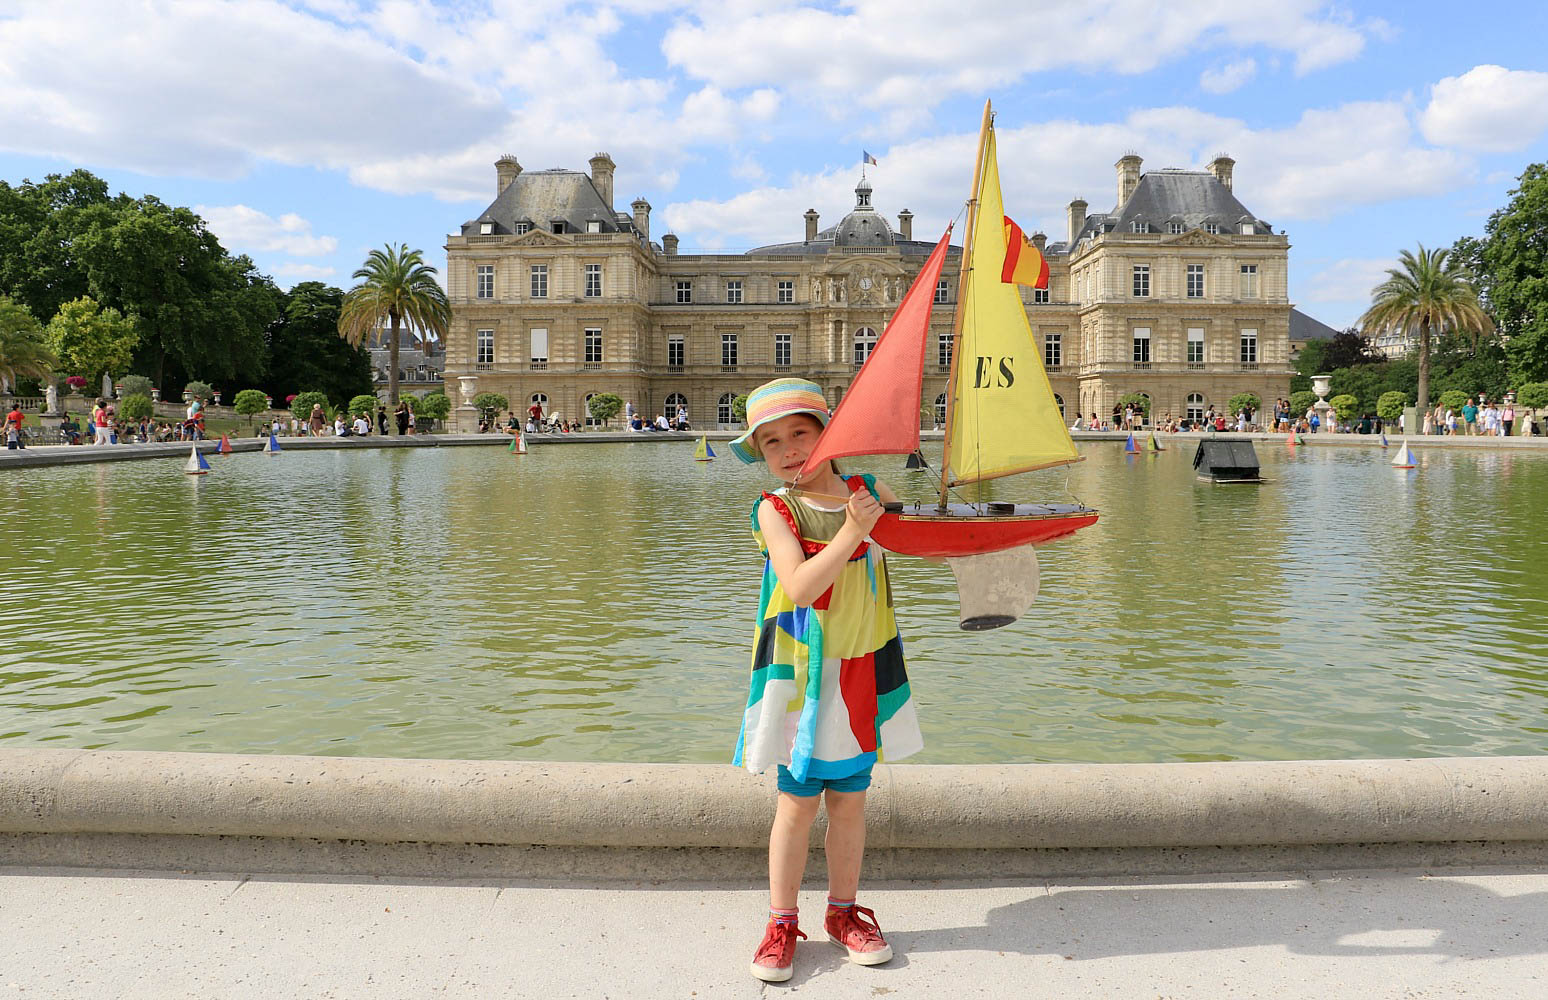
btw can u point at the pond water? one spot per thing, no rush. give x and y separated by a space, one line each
595 603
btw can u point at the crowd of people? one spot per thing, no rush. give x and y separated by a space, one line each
1485 417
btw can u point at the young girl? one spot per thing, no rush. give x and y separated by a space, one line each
828 686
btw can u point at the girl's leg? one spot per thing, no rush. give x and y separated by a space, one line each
787 847
845 844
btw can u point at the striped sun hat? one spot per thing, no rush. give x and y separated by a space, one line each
772 400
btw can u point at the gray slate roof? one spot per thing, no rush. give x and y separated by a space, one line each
1303 327
1192 197
540 197
862 228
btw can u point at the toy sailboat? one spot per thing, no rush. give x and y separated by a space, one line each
196 465
703 452
225 446
1001 416
1404 459
518 444
1153 444
1290 441
272 445
1129 445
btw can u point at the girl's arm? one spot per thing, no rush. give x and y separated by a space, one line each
806 579
885 492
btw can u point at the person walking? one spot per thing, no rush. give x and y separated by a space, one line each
821 718
381 419
1508 417
13 428
401 414
319 421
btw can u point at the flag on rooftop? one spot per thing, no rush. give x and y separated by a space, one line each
1024 263
867 158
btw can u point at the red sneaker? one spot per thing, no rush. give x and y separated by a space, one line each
855 930
775 957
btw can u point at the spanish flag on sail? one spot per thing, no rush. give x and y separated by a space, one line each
1024 265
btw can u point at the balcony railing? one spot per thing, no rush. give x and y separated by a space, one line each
538 365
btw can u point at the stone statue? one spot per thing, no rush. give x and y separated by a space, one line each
51 393
107 386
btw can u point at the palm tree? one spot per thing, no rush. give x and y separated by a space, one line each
1432 294
23 354
395 285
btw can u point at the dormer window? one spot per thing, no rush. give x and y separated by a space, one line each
523 228
485 228
557 227
1174 228
593 226
1247 229
1212 228
1139 227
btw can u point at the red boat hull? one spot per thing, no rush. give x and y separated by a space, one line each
963 530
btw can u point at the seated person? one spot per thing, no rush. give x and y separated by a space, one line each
70 430
661 423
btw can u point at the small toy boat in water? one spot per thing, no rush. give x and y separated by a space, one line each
518 444
1130 447
1404 459
1153 444
196 465
272 445
703 452
225 446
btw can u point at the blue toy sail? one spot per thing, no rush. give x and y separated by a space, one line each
272 445
1384 440
1129 445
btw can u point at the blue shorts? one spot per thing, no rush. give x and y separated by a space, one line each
857 782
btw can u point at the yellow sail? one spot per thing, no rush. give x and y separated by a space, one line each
1003 417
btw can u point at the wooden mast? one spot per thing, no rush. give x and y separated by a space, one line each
970 231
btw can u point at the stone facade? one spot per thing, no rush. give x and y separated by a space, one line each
1178 293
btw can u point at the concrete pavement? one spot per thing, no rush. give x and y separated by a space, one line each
1373 935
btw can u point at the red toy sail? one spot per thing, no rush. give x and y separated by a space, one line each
879 415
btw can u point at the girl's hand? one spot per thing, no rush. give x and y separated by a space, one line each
863 512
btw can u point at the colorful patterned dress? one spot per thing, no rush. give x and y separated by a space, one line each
829 694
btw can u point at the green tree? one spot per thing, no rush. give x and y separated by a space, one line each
604 406
1345 405
435 405
1390 405
1533 395
304 348
201 311
134 385
199 390
1512 266
249 402
1244 401
1301 401
40 226
1453 399
1429 293
396 286
1138 400
92 341
301 406
489 405
136 407
23 353
364 403
738 409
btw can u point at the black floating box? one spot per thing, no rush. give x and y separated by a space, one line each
1227 462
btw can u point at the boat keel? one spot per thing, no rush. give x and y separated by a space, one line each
996 588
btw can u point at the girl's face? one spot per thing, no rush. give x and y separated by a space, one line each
785 443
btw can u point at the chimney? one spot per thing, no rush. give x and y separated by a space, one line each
1077 219
602 168
669 245
811 225
1128 176
906 224
642 218
1221 168
506 170
1040 240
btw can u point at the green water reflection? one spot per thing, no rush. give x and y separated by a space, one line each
595 603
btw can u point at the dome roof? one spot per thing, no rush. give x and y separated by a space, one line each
863 227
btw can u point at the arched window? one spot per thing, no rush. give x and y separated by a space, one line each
723 414
940 410
865 343
1060 400
1148 410
540 399
673 401
586 406
1195 406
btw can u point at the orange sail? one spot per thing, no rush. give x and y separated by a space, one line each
1024 263
879 415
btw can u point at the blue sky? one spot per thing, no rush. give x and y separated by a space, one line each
308 133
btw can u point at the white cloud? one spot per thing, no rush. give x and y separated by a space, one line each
1488 108
913 54
305 272
1329 161
1231 76
245 229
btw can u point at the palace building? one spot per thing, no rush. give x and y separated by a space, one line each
1179 292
